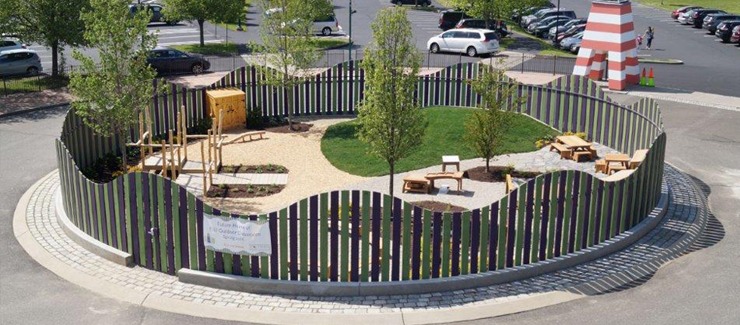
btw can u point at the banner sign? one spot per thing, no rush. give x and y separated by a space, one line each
236 235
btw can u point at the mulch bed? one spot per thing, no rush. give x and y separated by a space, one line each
497 174
243 191
254 169
298 127
436 206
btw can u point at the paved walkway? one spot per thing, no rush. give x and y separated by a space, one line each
39 233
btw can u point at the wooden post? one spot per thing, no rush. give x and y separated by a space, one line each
184 131
173 163
142 152
220 135
164 158
210 156
148 121
203 167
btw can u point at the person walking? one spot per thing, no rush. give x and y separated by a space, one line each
649 35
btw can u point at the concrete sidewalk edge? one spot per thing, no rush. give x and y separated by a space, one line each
32 109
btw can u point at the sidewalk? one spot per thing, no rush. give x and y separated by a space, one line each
22 102
37 230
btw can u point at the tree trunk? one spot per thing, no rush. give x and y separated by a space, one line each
391 164
54 58
488 161
200 25
122 147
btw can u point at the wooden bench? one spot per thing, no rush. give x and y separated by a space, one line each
418 184
244 135
562 149
458 176
618 176
509 184
637 158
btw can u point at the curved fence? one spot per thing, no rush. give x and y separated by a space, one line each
354 236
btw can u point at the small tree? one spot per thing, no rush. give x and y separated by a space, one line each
202 10
52 23
110 93
485 128
287 34
391 121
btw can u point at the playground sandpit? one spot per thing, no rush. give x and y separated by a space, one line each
310 172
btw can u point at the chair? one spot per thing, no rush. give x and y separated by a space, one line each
600 166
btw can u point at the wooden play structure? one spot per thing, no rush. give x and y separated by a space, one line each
172 157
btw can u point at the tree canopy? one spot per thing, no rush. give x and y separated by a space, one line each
391 121
52 23
110 93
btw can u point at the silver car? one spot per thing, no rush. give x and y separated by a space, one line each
469 41
8 43
19 62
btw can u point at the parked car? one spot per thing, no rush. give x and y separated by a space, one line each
725 28
567 42
412 2
676 13
550 13
711 21
528 18
497 25
683 18
542 28
576 45
735 38
697 16
469 41
570 32
19 62
561 28
448 18
517 14
8 43
155 10
167 60
324 26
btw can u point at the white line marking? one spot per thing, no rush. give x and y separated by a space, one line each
185 43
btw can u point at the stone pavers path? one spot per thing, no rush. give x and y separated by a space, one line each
686 217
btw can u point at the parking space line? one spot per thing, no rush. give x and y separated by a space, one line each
193 42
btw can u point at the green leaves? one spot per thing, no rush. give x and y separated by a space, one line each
392 123
110 93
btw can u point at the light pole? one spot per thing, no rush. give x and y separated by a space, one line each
351 12
557 25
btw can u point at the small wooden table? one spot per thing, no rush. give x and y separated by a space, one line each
458 176
620 158
418 184
579 146
452 161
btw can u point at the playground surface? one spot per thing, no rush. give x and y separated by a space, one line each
310 173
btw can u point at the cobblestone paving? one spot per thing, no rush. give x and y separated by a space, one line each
685 214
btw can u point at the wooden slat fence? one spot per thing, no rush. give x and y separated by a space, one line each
351 236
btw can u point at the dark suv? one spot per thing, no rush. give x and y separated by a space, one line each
697 16
724 29
166 60
711 21
495 25
412 2
449 18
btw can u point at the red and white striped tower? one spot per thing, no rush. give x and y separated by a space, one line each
610 33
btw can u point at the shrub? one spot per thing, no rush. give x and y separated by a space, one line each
254 118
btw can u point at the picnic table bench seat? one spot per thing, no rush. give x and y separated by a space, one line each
562 149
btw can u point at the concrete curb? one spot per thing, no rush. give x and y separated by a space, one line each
661 61
89 243
33 109
485 309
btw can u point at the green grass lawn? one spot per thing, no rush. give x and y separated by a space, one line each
208 48
444 136
324 43
727 5
31 84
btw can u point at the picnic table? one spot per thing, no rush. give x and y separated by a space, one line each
616 161
579 146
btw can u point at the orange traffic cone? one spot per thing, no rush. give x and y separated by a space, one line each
643 78
651 81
